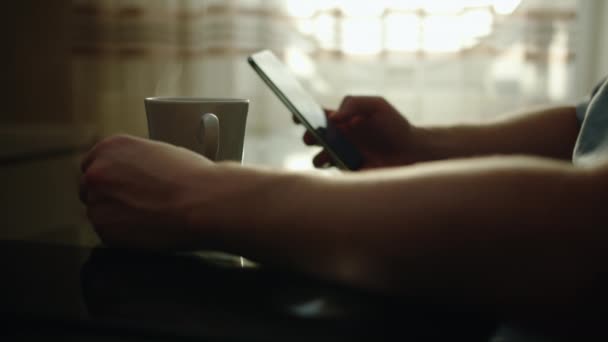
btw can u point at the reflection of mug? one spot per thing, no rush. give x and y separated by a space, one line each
214 128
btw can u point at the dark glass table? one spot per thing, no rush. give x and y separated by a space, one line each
100 294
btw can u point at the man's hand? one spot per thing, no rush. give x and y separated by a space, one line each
135 191
379 132
385 138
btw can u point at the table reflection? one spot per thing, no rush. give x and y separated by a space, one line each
198 294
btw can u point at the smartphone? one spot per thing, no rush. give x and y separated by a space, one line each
301 104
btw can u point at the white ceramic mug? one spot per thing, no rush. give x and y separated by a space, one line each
214 128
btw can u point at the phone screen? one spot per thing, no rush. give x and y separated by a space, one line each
282 82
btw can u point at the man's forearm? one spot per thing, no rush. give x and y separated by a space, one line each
547 133
495 230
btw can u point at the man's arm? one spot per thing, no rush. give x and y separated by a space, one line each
514 234
509 233
384 137
547 133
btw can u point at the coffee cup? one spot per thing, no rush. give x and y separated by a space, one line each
212 127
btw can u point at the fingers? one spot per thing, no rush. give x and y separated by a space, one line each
109 143
89 195
109 213
94 153
88 159
309 139
322 160
92 198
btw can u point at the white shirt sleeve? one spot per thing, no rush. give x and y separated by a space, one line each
581 111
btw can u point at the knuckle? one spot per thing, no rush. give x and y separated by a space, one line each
96 173
346 100
114 141
316 159
104 143
377 100
383 101
119 139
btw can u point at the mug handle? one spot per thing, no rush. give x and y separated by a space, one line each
209 135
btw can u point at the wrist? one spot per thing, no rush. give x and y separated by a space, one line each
202 203
421 144
439 143
232 205
278 211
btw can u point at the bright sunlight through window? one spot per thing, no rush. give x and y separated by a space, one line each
360 27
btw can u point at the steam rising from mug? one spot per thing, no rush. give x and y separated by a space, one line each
168 82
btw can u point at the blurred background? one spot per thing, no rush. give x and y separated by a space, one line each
78 70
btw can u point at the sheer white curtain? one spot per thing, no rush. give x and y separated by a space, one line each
438 61
127 50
